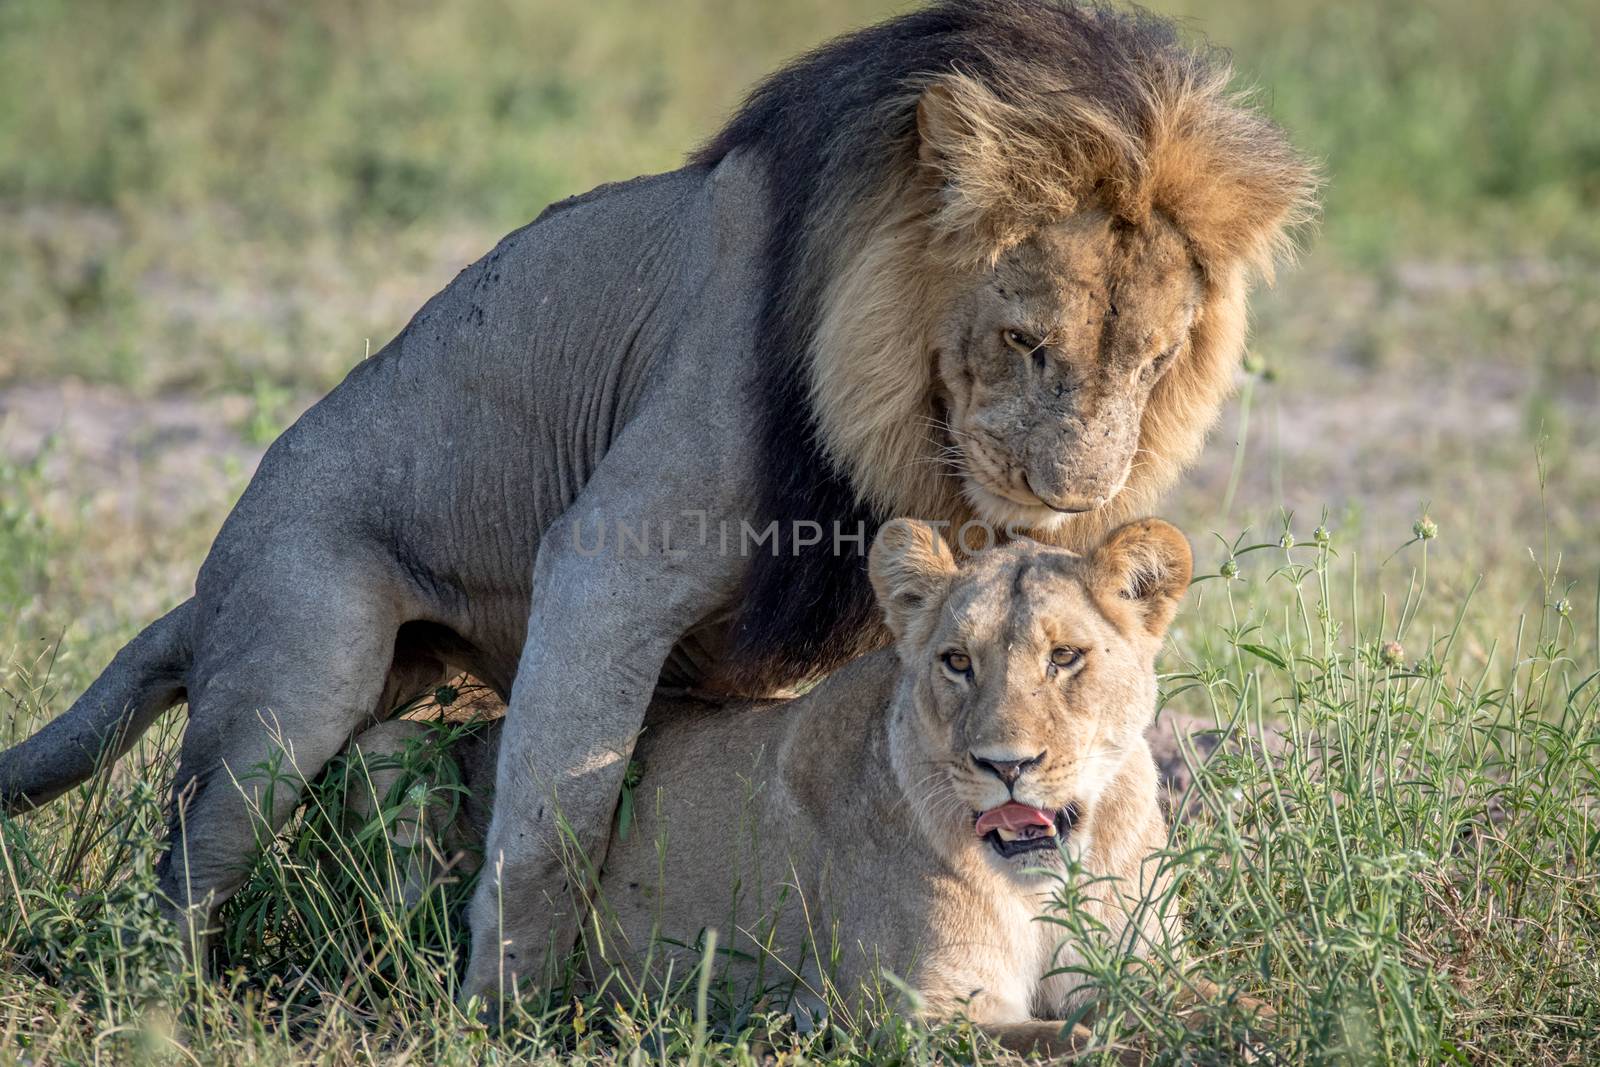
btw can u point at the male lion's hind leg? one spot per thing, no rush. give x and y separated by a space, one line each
277 690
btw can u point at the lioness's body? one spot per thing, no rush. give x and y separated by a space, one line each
781 825
830 838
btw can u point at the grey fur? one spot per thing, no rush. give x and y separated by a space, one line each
145 679
594 368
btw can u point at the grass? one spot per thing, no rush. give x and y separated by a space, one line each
1415 874
216 210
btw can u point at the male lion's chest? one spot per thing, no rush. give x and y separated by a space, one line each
706 663
697 657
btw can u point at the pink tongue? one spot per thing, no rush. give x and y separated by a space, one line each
1014 817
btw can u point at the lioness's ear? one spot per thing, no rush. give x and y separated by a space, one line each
911 568
1147 564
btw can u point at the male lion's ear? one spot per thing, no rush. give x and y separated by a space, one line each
1146 564
939 125
911 568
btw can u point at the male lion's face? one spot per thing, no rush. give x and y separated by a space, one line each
1048 360
1030 678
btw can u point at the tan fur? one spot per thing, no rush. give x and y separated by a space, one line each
831 838
987 174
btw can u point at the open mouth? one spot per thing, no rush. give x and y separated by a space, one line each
1013 828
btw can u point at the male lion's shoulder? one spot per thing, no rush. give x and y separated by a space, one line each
643 184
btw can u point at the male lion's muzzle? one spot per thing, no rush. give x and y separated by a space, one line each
1080 468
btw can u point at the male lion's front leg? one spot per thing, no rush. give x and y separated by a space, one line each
602 624
604 616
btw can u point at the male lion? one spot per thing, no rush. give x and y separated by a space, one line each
988 260
915 808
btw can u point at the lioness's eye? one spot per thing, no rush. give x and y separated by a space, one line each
1063 658
1021 341
959 662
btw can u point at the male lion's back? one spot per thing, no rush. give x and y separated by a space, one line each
452 449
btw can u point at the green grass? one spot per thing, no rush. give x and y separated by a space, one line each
226 206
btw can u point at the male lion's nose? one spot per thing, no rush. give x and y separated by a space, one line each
1067 505
1007 770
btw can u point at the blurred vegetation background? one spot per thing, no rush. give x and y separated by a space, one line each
210 212
200 193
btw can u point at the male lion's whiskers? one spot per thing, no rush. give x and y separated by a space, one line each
982 463
939 427
1136 462
947 455
953 468
958 436
930 461
950 454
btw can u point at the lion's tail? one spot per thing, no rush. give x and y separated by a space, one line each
146 678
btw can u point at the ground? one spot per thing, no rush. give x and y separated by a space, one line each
209 214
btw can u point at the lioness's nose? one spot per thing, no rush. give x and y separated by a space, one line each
1007 770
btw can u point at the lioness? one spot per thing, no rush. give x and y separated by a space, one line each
915 807
988 261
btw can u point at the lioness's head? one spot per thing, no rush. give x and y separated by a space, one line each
1029 679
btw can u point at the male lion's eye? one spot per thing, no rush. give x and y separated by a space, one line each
1159 364
959 662
1021 341
1062 658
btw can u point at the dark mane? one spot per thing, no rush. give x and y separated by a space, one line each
831 126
